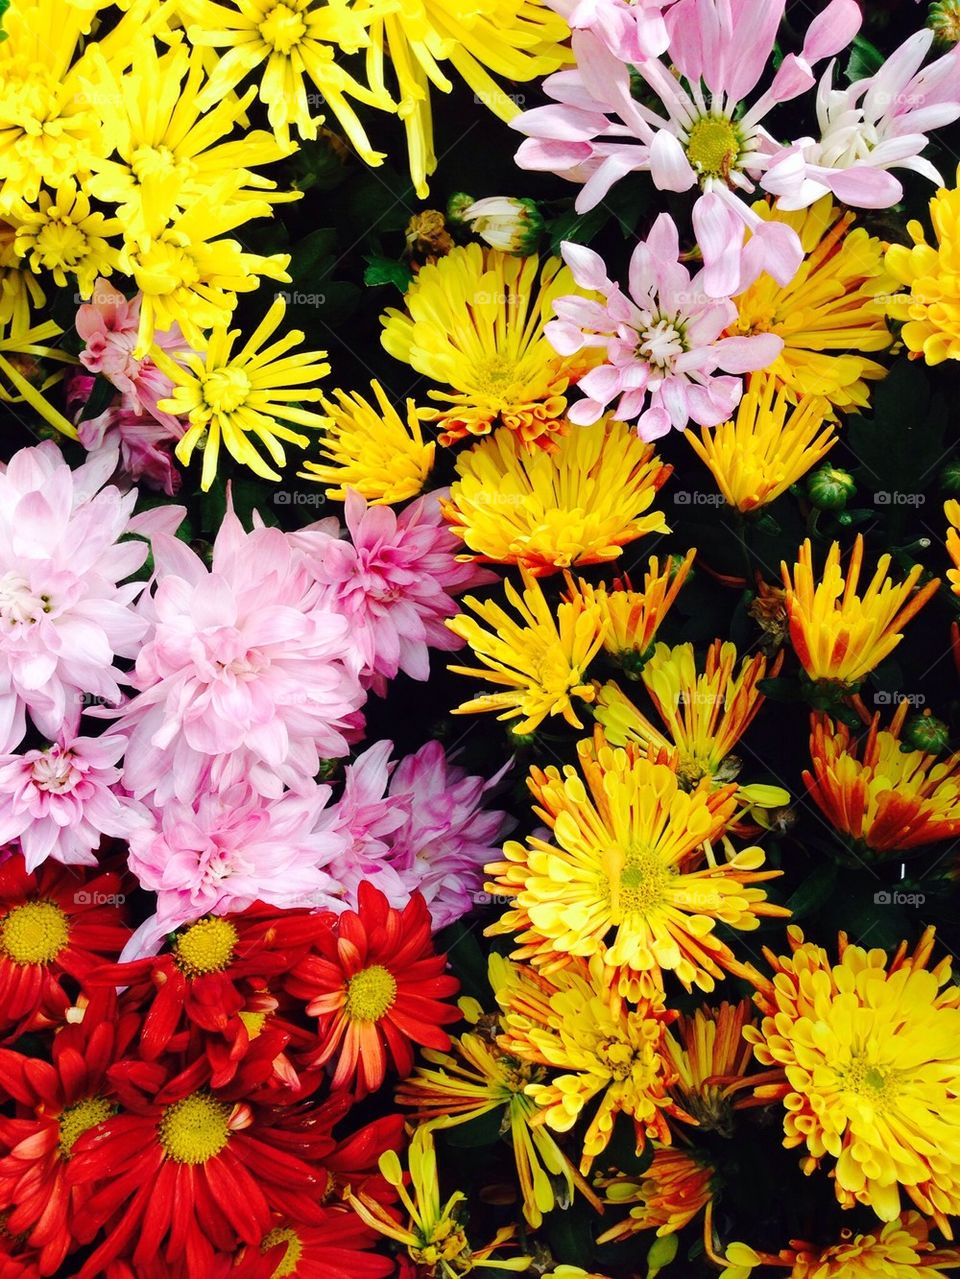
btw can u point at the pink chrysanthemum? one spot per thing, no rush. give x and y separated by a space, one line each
243 675
145 445
631 29
59 802
662 340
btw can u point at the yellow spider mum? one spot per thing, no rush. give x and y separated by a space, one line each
633 617
289 40
230 396
433 1235
930 309
580 503
705 714
371 449
519 40
827 315
21 349
667 1196
708 1052
573 1021
878 794
952 512
838 635
768 446
631 877
474 322
865 1057
540 660
63 236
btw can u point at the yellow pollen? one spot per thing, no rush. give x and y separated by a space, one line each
195 1129
34 933
370 993
713 147
76 1119
287 1264
616 1056
206 947
498 377
224 390
873 1083
282 28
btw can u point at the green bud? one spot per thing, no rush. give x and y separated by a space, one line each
926 733
950 478
829 488
457 206
943 20
521 741
662 1252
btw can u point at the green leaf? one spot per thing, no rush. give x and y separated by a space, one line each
310 254
482 1131
101 397
865 59
570 1237
817 888
578 227
380 270
466 959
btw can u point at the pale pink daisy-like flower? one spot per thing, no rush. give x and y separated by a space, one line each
662 340
631 29
706 134
877 124
393 582
60 801
65 614
243 675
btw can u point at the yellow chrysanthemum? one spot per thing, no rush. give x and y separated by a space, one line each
520 40
633 617
371 449
665 1197
477 1078
708 1053
230 396
573 1021
474 322
705 714
930 309
433 1236
20 290
827 315
68 239
867 1056
631 877
879 793
289 40
541 660
768 446
580 503
838 635
952 512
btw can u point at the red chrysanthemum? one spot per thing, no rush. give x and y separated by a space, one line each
341 1248
377 986
56 1102
55 923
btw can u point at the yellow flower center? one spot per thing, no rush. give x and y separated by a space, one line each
873 1083
76 1119
497 377
713 146
447 1242
224 390
287 1264
282 28
370 993
150 162
60 243
164 268
617 1056
206 947
195 1129
638 886
34 933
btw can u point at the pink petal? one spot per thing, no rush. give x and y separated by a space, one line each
832 30
669 166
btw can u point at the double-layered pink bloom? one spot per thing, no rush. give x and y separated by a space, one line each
662 340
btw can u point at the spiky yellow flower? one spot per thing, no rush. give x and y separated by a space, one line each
433 1236
631 877
230 396
64 236
705 714
665 1197
474 322
633 617
371 449
838 635
930 309
708 1052
520 40
877 793
21 351
952 512
827 315
579 503
768 446
575 1022
541 660
867 1058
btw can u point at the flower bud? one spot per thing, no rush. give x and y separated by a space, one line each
829 488
506 223
926 733
457 206
943 20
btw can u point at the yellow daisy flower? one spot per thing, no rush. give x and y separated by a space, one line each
474 322
631 876
865 1056
541 661
838 635
768 446
230 397
63 236
665 1197
930 309
371 449
708 1053
574 1022
581 503
827 315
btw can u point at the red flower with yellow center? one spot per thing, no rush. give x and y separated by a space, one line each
340 1248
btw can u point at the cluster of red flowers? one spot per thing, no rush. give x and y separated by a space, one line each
188 1113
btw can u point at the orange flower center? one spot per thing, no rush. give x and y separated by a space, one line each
34 933
194 1129
370 993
